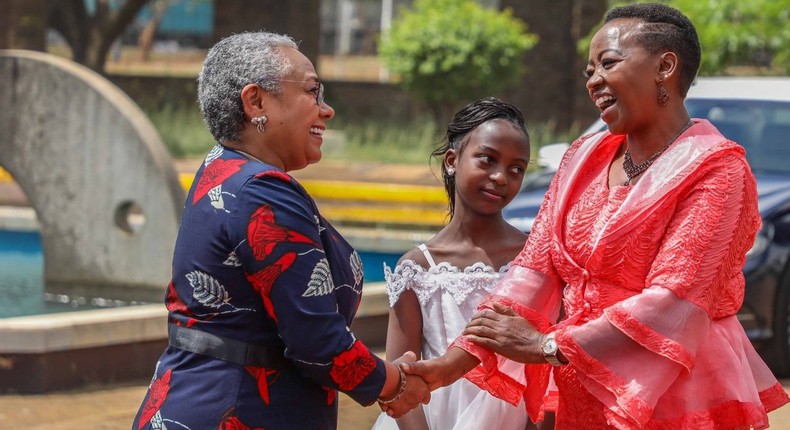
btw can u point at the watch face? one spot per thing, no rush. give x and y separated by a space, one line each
550 346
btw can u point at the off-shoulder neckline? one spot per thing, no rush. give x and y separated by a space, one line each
447 267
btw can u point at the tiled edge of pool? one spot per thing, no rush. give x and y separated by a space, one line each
43 353
50 352
18 219
41 334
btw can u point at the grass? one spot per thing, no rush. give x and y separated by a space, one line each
387 141
182 130
384 141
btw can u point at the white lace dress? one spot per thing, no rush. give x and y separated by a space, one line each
448 298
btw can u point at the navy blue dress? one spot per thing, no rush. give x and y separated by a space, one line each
255 262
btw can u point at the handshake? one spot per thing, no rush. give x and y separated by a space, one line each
417 380
498 329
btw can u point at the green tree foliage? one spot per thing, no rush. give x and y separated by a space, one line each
449 52
740 33
749 33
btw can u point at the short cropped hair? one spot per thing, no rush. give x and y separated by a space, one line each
666 29
233 63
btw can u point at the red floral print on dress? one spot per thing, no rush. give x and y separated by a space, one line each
350 367
174 304
263 233
331 395
156 396
261 374
214 174
275 174
231 422
263 280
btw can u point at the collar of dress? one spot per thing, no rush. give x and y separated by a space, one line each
668 174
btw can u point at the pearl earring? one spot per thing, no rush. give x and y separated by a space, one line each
259 121
450 171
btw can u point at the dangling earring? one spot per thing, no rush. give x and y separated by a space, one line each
663 96
258 122
450 171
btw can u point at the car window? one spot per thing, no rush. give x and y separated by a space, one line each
761 127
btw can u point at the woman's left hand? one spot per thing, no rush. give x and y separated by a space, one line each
505 332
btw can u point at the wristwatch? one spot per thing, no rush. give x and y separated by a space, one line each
550 350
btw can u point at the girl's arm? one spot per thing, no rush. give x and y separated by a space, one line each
442 371
404 333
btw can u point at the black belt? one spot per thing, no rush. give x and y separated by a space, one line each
223 348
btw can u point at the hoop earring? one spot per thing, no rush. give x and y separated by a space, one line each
663 96
258 122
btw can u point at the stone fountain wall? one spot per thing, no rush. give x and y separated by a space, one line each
102 184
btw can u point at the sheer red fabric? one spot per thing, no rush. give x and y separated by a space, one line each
650 280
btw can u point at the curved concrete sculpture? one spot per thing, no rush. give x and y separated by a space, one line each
93 167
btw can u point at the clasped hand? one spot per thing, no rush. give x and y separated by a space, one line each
503 331
498 329
415 392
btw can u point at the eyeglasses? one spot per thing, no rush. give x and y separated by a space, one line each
319 91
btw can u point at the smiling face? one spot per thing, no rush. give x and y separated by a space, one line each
490 167
622 77
296 123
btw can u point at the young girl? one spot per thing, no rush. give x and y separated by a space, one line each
435 288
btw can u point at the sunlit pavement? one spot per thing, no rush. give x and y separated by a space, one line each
112 408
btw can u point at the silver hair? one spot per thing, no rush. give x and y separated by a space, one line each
233 63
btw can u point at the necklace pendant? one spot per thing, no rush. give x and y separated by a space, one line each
633 170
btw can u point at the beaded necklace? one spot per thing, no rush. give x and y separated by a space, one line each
633 170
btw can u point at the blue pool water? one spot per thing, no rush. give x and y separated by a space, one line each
22 287
21 269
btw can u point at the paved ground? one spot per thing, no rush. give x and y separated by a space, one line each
113 408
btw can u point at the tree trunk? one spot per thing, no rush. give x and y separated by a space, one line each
299 19
552 89
23 25
304 25
145 42
90 37
71 20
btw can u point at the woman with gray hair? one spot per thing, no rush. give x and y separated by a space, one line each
264 289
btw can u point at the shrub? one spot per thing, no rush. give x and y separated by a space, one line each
448 52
